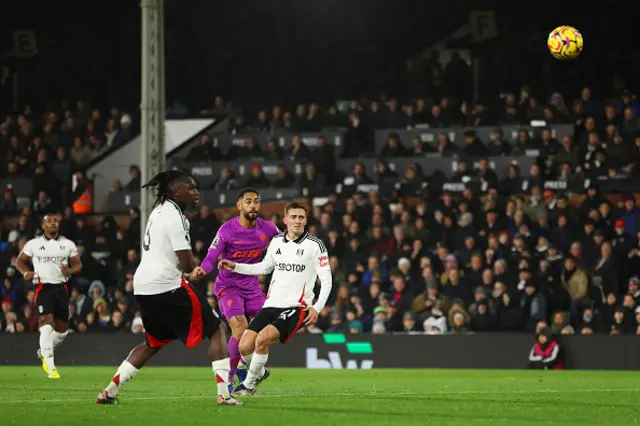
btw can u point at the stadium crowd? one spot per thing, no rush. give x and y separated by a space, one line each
51 146
502 258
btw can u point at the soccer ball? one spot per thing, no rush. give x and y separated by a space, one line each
565 43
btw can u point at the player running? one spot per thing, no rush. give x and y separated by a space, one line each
297 259
51 254
171 308
242 238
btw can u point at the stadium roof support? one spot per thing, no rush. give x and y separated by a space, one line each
152 104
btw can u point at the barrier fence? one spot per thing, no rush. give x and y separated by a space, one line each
337 351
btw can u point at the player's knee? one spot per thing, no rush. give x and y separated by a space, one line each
246 345
238 325
45 320
61 326
267 337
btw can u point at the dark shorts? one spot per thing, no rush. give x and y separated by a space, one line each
182 314
288 321
52 299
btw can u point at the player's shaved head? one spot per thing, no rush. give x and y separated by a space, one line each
50 225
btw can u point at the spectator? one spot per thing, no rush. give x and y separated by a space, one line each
80 153
545 354
257 179
135 183
204 152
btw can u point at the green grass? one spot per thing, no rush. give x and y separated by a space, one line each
186 396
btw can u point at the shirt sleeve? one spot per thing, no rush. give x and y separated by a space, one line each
264 267
532 355
215 251
73 249
28 248
275 230
178 233
323 270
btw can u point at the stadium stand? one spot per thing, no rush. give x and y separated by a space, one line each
439 217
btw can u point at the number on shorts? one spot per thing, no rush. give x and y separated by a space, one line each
285 315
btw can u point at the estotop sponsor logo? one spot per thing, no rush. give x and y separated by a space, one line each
334 360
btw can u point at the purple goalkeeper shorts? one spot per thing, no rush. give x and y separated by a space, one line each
234 302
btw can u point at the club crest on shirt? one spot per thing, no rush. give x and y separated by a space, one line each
300 252
263 237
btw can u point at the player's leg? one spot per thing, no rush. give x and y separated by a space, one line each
257 371
232 303
45 307
155 314
221 365
61 317
137 358
60 332
238 326
45 353
283 328
253 306
248 343
200 321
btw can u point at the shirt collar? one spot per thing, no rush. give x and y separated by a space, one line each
297 240
176 205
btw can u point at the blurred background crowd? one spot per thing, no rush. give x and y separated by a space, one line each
504 257
532 220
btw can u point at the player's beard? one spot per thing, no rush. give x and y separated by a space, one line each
250 216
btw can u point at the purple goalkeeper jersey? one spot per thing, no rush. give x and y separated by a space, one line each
239 244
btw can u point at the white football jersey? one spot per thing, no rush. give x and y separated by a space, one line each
166 233
295 265
47 256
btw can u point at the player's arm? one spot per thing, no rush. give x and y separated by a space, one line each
546 361
266 266
23 259
74 260
75 268
323 270
181 244
215 250
187 262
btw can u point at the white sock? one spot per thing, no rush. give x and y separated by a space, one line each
256 370
58 338
46 346
221 369
125 372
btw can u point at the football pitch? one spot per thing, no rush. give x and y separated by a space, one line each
186 396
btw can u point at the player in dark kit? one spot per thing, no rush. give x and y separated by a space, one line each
54 258
171 308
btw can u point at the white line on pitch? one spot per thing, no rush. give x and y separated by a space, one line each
324 395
